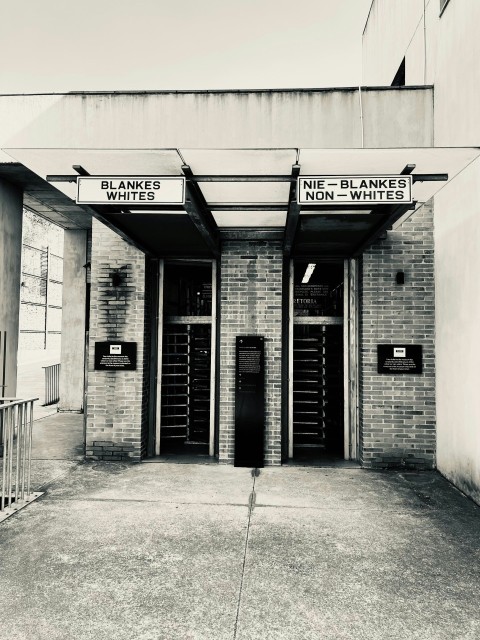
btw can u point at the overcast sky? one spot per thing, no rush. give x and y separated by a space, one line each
61 45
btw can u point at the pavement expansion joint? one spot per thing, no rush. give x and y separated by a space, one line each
48 483
251 503
144 501
343 508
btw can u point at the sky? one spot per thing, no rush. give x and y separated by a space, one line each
94 45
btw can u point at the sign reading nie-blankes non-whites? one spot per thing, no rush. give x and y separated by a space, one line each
131 190
354 190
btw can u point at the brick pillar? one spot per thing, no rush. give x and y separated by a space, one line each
117 400
251 304
397 412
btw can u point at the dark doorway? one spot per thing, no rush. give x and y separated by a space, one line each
186 389
317 361
318 391
186 359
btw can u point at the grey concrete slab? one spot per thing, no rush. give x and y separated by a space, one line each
44 472
94 570
153 551
359 574
58 437
165 482
325 488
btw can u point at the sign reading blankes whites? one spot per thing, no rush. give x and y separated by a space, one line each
125 190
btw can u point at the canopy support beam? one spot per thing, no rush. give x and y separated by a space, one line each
391 216
197 209
293 214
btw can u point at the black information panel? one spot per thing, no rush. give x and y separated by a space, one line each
115 356
399 358
249 401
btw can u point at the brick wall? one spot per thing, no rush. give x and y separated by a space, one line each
397 413
117 400
251 304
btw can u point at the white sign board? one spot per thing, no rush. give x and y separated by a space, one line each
130 190
354 190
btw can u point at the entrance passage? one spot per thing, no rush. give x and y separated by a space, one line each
318 390
317 360
185 399
186 388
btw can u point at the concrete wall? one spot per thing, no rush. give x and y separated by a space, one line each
457 235
457 96
388 34
457 265
73 321
42 258
397 30
453 51
251 304
11 209
326 118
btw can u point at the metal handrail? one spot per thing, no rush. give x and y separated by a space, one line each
17 422
52 384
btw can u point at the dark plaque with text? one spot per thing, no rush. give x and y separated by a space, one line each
115 356
399 358
249 401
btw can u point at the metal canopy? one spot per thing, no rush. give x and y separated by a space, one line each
249 193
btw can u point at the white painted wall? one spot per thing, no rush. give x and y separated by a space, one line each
457 93
452 54
387 36
457 254
457 292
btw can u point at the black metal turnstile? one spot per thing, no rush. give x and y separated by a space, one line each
318 388
185 417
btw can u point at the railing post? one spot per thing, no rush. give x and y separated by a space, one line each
5 451
29 447
17 418
23 453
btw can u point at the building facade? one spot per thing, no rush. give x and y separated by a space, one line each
436 42
321 289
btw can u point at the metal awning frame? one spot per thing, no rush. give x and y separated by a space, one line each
200 211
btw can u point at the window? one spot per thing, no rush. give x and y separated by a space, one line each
318 289
443 4
188 289
399 79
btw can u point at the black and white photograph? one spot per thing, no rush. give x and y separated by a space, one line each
239 311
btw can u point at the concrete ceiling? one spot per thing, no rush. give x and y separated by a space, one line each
44 199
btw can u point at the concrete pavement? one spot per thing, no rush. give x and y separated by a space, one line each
186 551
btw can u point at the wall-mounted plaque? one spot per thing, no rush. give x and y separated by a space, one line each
249 401
399 358
115 356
